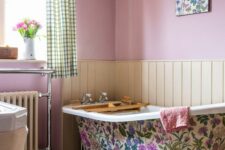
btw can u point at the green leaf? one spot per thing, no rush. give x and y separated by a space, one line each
211 115
122 131
176 145
182 135
169 145
175 134
224 121
129 135
148 135
153 129
211 135
140 134
160 146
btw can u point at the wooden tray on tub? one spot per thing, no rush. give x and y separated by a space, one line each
112 106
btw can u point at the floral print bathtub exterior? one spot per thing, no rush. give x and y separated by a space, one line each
206 132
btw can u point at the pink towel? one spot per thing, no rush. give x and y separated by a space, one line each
174 118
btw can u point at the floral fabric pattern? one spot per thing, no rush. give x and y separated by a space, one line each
186 7
205 132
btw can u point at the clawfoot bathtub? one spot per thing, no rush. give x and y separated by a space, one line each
142 130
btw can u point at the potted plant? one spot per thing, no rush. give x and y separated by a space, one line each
28 30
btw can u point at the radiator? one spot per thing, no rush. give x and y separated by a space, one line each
29 100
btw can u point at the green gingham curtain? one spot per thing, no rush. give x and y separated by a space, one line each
61 39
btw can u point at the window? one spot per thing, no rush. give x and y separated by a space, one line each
15 11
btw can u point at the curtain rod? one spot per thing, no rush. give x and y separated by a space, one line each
27 71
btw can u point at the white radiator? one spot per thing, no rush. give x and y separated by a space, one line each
29 100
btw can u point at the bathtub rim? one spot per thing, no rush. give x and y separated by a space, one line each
194 110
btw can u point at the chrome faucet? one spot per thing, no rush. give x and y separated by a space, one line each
103 97
87 99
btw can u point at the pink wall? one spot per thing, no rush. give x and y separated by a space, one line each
95 40
149 29
22 82
96 29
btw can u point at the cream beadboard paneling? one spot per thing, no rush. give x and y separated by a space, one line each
152 83
186 84
171 83
145 81
169 94
217 82
206 83
196 83
93 77
160 83
177 83
164 83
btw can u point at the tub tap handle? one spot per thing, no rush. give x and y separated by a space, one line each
87 99
103 97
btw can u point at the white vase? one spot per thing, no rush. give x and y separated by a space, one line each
29 51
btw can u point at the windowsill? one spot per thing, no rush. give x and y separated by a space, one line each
21 61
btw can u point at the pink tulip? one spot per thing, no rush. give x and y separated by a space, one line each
20 25
24 27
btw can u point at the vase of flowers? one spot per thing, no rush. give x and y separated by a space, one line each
28 30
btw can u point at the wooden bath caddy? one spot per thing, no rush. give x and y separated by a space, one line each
111 106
